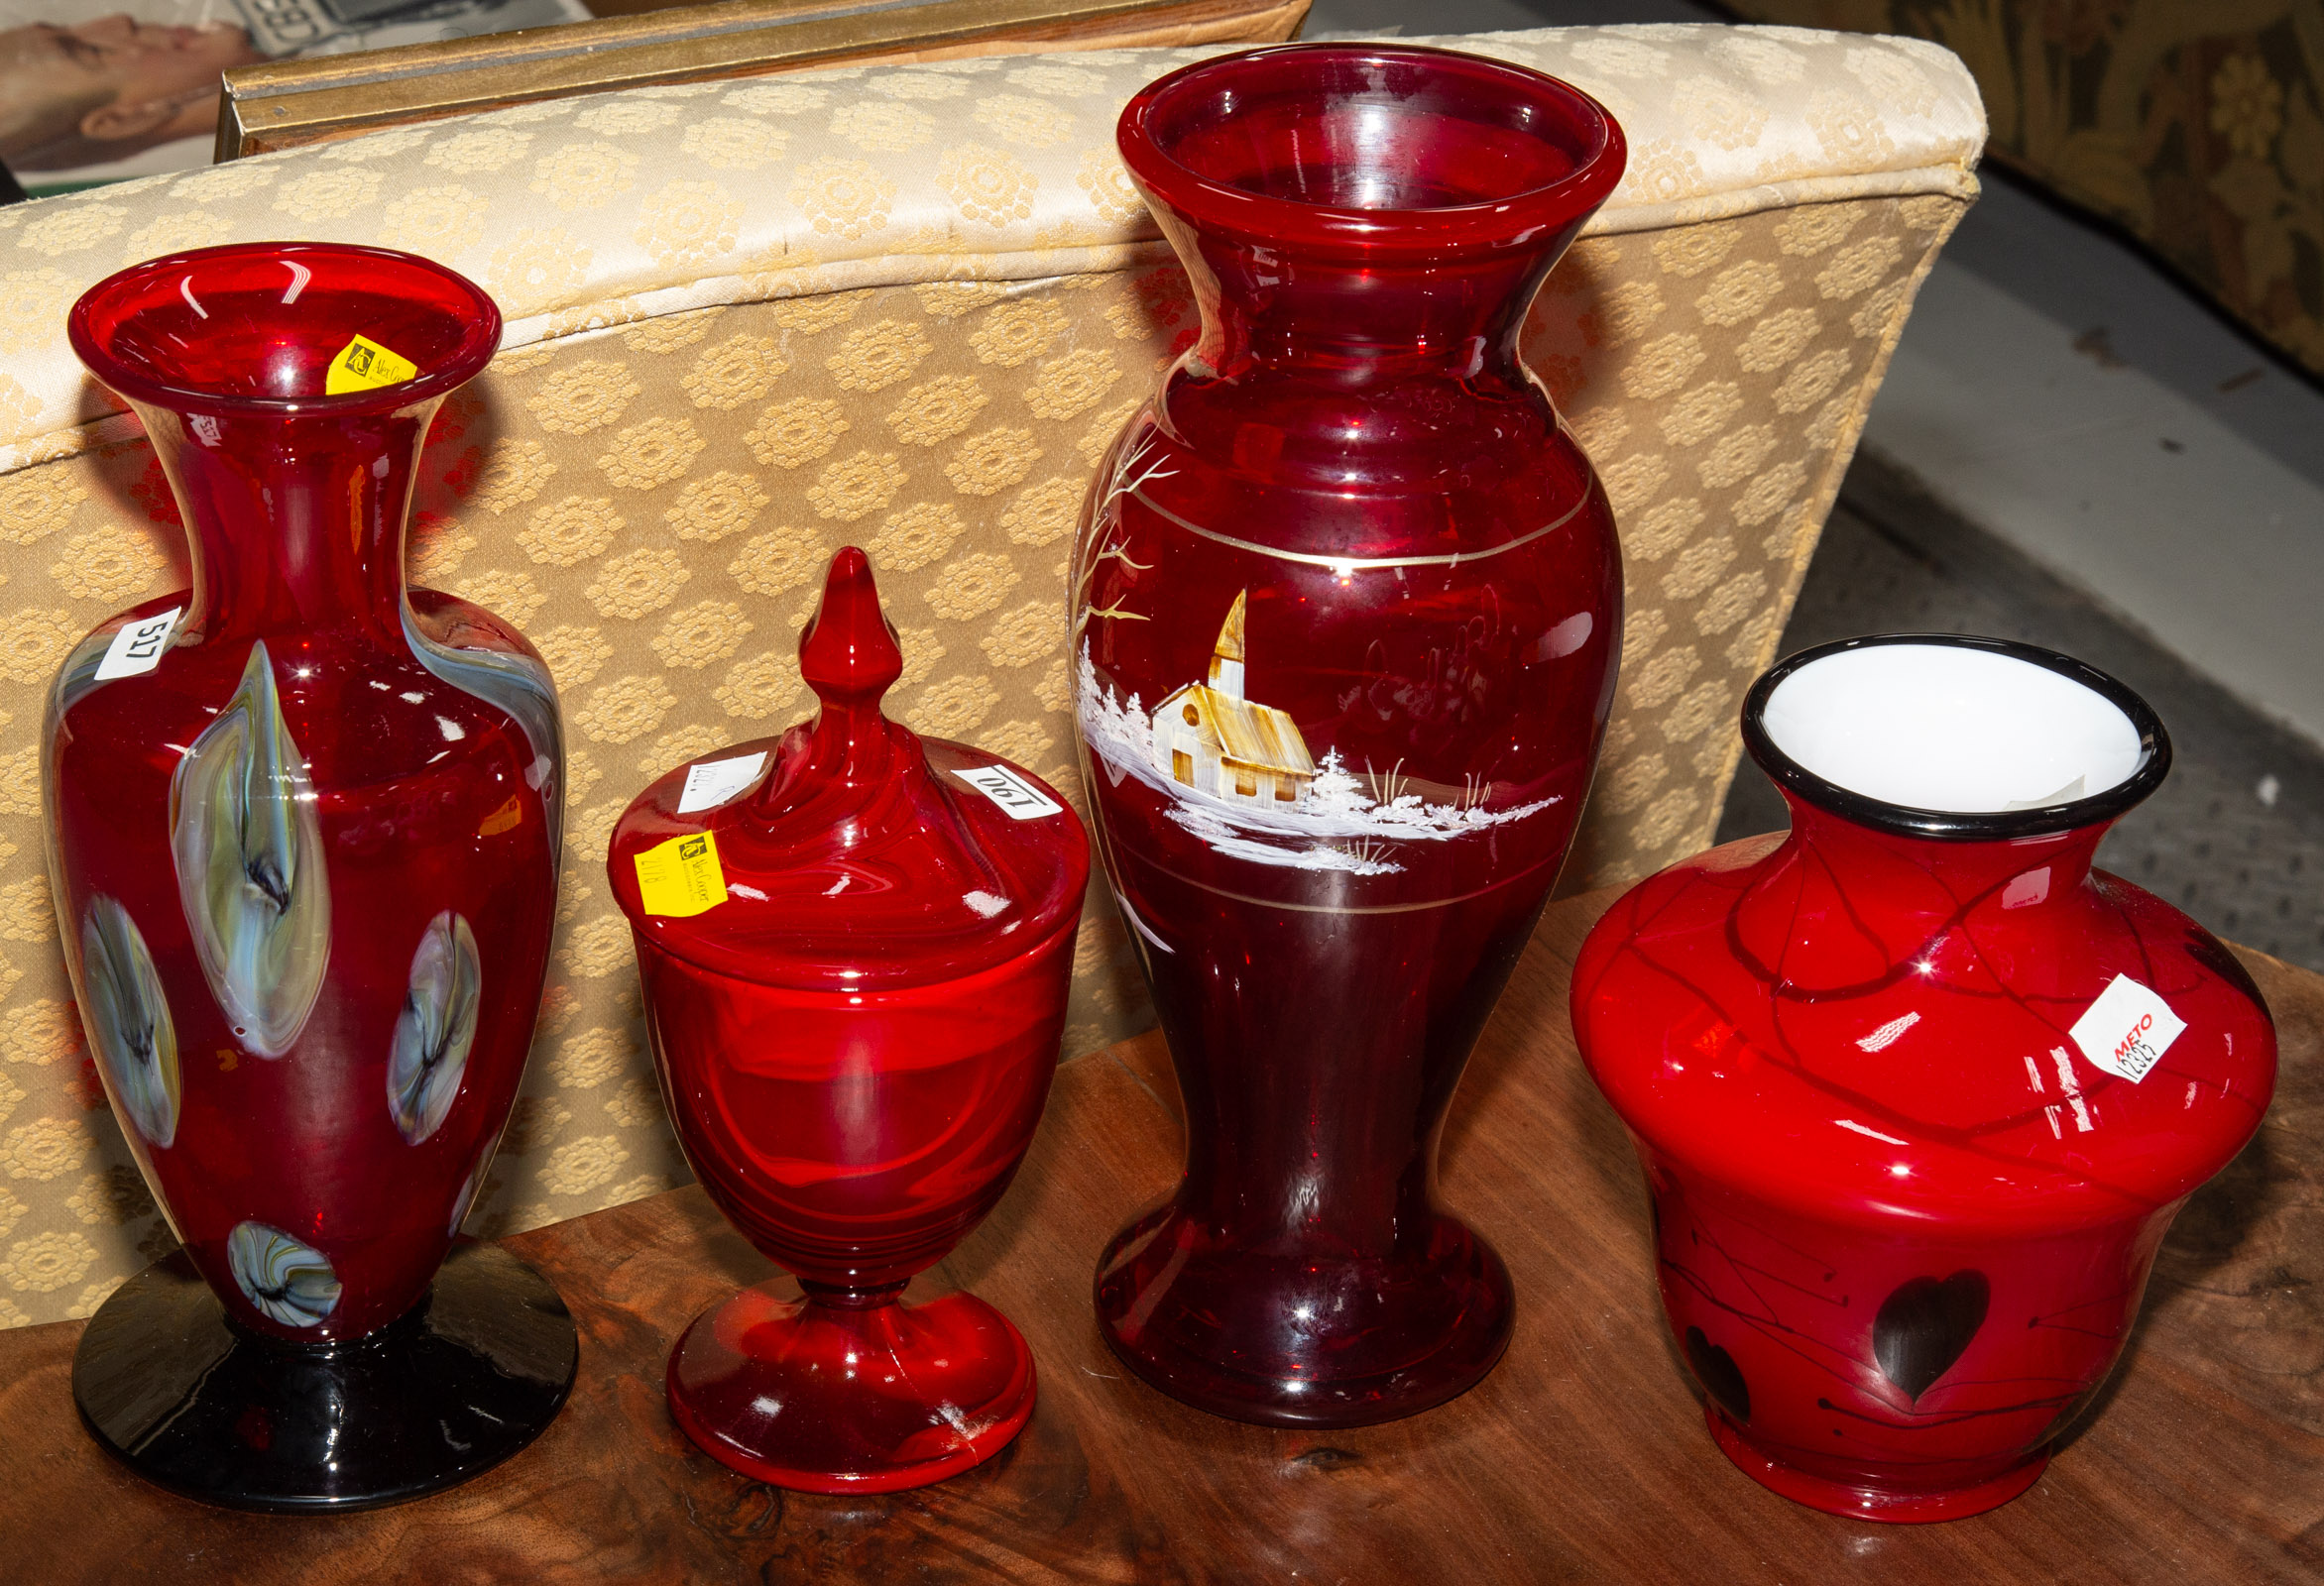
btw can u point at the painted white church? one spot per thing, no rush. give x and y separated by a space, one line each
1208 736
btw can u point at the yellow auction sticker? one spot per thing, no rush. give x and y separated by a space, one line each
364 365
682 877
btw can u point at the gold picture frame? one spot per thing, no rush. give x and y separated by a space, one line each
282 104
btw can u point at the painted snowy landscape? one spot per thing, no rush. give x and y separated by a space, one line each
1337 825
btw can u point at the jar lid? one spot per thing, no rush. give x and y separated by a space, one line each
850 854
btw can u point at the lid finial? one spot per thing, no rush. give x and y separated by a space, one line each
849 655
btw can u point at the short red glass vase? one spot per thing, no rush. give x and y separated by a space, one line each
855 946
303 825
1346 605
1917 1091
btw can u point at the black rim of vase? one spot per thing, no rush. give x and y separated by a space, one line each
1961 826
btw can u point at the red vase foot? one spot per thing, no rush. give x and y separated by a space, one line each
1294 1340
851 1393
1858 1500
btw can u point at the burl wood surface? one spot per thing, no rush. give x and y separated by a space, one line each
1583 1459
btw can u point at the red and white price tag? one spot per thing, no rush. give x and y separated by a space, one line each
2128 1029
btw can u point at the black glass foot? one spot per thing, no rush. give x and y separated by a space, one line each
472 1374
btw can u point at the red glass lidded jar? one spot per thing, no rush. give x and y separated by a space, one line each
856 945
1917 1090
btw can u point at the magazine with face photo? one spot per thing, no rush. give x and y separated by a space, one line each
93 92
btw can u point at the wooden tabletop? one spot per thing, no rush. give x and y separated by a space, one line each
1582 1458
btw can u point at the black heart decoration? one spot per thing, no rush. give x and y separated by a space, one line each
1720 1376
1924 1326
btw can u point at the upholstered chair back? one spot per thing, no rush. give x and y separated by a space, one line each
907 307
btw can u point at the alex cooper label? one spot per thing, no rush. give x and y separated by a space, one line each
681 877
2128 1029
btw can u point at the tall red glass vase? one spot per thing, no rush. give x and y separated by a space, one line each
1917 1091
303 830
1346 605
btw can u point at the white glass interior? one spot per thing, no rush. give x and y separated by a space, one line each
1939 728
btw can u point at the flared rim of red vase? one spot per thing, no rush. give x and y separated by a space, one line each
1961 826
465 323
1506 104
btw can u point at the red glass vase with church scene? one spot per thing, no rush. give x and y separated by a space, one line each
1347 607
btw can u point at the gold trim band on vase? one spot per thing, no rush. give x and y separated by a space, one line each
1359 564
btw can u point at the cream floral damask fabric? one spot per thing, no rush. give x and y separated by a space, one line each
907 308
1717 374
